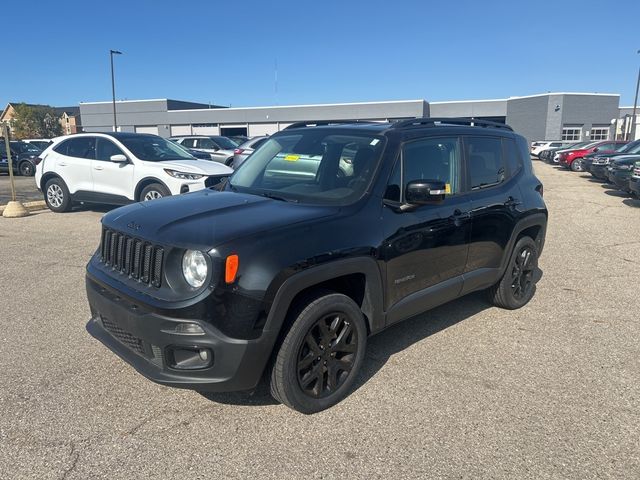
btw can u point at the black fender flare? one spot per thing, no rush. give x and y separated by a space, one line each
533 220
372 303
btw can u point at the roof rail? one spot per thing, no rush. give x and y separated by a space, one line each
432 121
318 123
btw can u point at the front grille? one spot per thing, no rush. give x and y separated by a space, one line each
131 341
133 257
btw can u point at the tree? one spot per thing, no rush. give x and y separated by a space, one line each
35 122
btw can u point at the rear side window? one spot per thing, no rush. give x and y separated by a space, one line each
187 142
106 149
80 147
433 159
514 162
485 162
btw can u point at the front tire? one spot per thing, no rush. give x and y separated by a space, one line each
319 359
576 165
517 286
56 196
153 192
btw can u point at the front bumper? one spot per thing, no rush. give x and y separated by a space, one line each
634 185
146 340
599 171
620 179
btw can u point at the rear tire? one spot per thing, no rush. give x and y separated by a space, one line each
153 192
517 286
319 359
27 169
57 196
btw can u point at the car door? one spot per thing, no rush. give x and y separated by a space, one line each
495 205
425 248
114 179
74 158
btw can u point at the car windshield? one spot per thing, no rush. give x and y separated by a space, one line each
633 147
154 149
225 143
23 147
311 166
627 147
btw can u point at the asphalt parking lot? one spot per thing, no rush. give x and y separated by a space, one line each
26 190
465 391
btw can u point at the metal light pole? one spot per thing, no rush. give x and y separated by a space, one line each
113 89
635 105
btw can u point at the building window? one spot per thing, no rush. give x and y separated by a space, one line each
600 133
571 134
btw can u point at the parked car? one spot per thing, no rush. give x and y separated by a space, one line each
24 157
547 153
119 168
238 139
572 159
287 276
555 158
535 150
634 180
195 153
219 148
603 159
41 143
241 153
620 170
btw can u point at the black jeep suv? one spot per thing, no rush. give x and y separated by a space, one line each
330 233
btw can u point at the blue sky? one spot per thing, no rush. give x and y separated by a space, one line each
326 51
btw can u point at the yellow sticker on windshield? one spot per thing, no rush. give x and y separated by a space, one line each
447 188
292 158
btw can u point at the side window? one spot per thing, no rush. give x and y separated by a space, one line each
433 159
393 186
81 147
206 143
485 161
106 148
258 143
514 162
187 142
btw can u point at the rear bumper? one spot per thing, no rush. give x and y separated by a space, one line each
146 340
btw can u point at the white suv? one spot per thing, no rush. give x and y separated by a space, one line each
119 168
537 147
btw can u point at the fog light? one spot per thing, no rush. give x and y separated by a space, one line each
189 358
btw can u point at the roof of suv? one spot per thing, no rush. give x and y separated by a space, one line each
404 124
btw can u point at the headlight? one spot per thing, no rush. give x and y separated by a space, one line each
625 167
194 268
183 175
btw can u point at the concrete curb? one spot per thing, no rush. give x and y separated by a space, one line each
31 206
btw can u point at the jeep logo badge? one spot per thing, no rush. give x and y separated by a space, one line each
133 226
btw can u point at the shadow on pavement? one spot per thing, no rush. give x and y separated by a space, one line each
383 345
632 202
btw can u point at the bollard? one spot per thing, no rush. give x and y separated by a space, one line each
14 209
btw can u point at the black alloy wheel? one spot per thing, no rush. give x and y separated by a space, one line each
327 355
522 273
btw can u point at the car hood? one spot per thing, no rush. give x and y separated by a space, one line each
627 159
208 218
197 166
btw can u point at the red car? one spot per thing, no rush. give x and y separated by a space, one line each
573 158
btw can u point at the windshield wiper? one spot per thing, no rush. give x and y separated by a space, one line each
277 197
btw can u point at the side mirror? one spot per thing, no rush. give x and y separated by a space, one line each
595 149
119 158
420 192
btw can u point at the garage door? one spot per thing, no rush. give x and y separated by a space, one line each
147 129
177 130
205 129
258 129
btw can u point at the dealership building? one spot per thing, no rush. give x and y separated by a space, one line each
551 116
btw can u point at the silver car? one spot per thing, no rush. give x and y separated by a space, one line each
241 153
220 148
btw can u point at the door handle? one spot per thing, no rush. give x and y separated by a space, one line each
512 202
98 168
62 164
